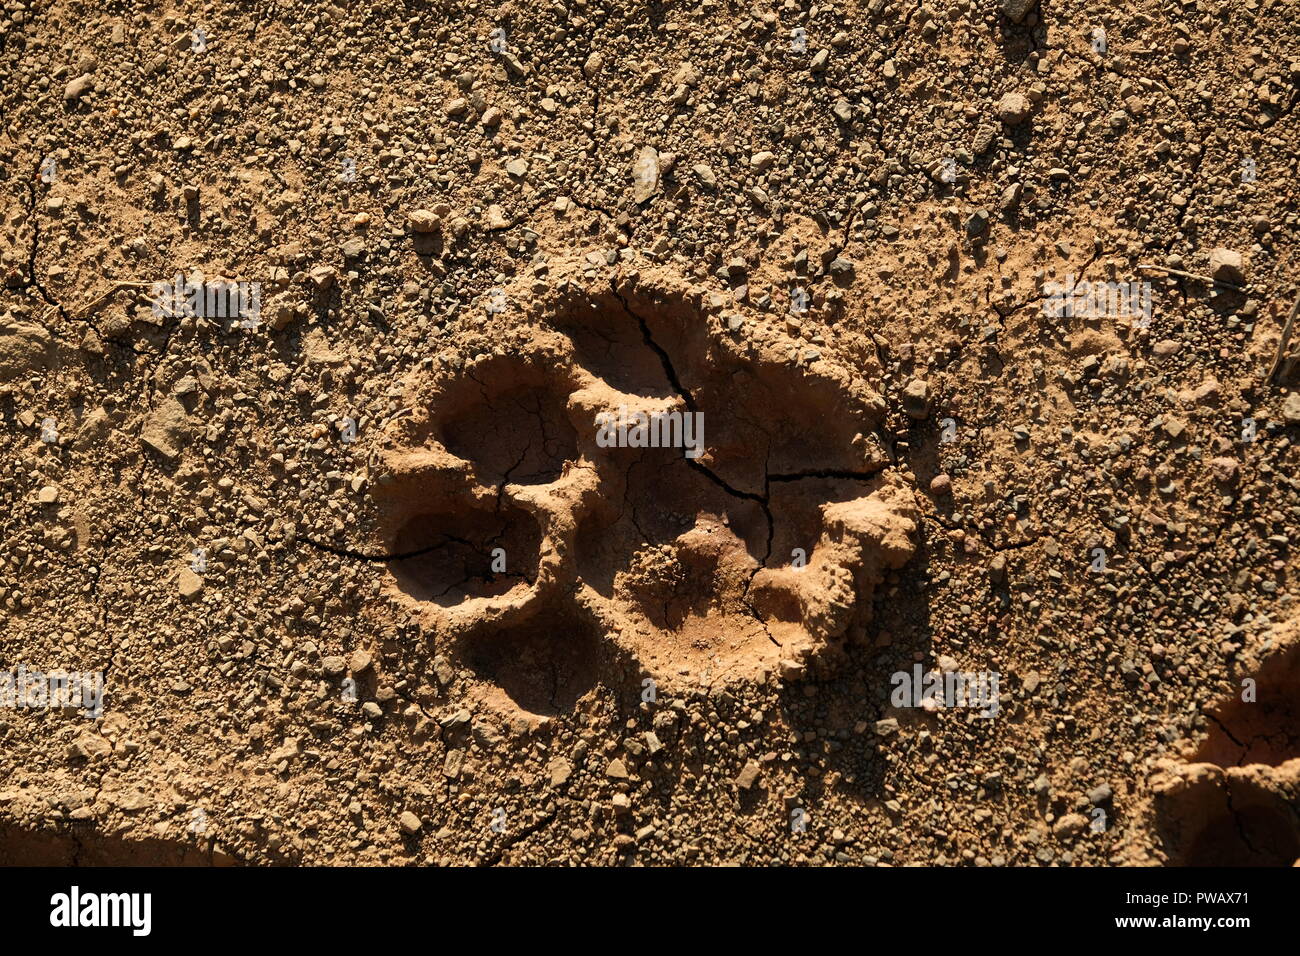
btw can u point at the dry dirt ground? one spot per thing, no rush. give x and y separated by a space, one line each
366 587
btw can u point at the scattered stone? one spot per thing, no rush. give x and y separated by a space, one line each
1014 108
424 221
559 770
165 429
452 766
1225 470
89 745
645 174
978 223
410 823
279 314
841 268
1227 266
79 87
457 720
791 670
1291 409
916 399
1069 826
24 348
1100 795
323 277
190 584
514 67
1017 10
748 775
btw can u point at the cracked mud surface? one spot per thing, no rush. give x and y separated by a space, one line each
432 607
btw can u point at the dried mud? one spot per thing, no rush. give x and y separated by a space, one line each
366 584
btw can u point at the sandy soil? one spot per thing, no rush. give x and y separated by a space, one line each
364 579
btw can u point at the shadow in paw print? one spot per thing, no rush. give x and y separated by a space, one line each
520 435
797 522
1263 731
1208 816
469 552
610 344
765 418
542 665
773 424
1258 835
1233 803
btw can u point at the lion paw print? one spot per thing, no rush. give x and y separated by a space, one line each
623 488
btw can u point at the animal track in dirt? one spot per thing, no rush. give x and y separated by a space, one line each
1236 802
552 562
